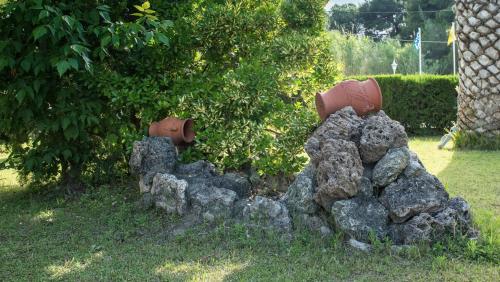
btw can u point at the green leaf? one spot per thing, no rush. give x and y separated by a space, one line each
66 154
105 41
39 32
65 122
71 133
79 49
20 95
163 39
137 14
73 63
146 5
26 63
69 21
139 8
43 14
62 67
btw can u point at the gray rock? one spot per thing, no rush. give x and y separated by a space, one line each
453 220
300 194
359 216
198 169
152 155
390 166
235 182
266 213
415 166
410 196
169 193
366 188
219 202
360 246
338 173
379 134
344 124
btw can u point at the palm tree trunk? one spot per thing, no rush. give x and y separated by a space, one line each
478 35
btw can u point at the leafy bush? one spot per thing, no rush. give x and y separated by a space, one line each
54 125
423 104
80 82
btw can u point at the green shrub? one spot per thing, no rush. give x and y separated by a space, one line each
54 125
423 104
474 141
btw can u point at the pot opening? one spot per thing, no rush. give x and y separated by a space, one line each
188 131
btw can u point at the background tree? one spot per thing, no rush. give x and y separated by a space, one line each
345 18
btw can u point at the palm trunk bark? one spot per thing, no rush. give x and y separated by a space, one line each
478 35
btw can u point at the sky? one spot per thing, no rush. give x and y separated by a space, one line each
332 2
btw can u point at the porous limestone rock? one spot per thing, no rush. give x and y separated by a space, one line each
338 173
344 124
379 134
266 213
217 202
300 194
390 166
169 193
408 197
360 216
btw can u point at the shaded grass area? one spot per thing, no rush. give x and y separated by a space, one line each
105 236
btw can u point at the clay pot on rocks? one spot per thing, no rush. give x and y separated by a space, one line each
363 96
180 130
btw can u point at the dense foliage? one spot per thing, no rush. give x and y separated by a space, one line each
423 104
80 81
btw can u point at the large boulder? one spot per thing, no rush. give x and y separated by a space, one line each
300 194
379 134
360 216
169 193
266 213
390 166
235 182
211 201
344 124
338 173
152 155
408 197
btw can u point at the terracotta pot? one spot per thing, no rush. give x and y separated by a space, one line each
363 96
180 130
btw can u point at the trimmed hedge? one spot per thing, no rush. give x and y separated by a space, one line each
423 104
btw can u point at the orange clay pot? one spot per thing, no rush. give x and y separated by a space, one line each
180 130
363 96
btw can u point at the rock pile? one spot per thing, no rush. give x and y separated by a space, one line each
196 192
370 184
362 180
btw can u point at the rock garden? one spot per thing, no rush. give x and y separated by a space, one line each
361 181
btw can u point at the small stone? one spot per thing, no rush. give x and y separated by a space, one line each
415 166
491 24
235 182
475 48
410 196
492 53
364 247
390 166
484 30
484 60
474 35
366 188
468 56
358 217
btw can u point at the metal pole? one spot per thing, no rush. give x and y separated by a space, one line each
454 39
420 51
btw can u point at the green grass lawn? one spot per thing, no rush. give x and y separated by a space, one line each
105 236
